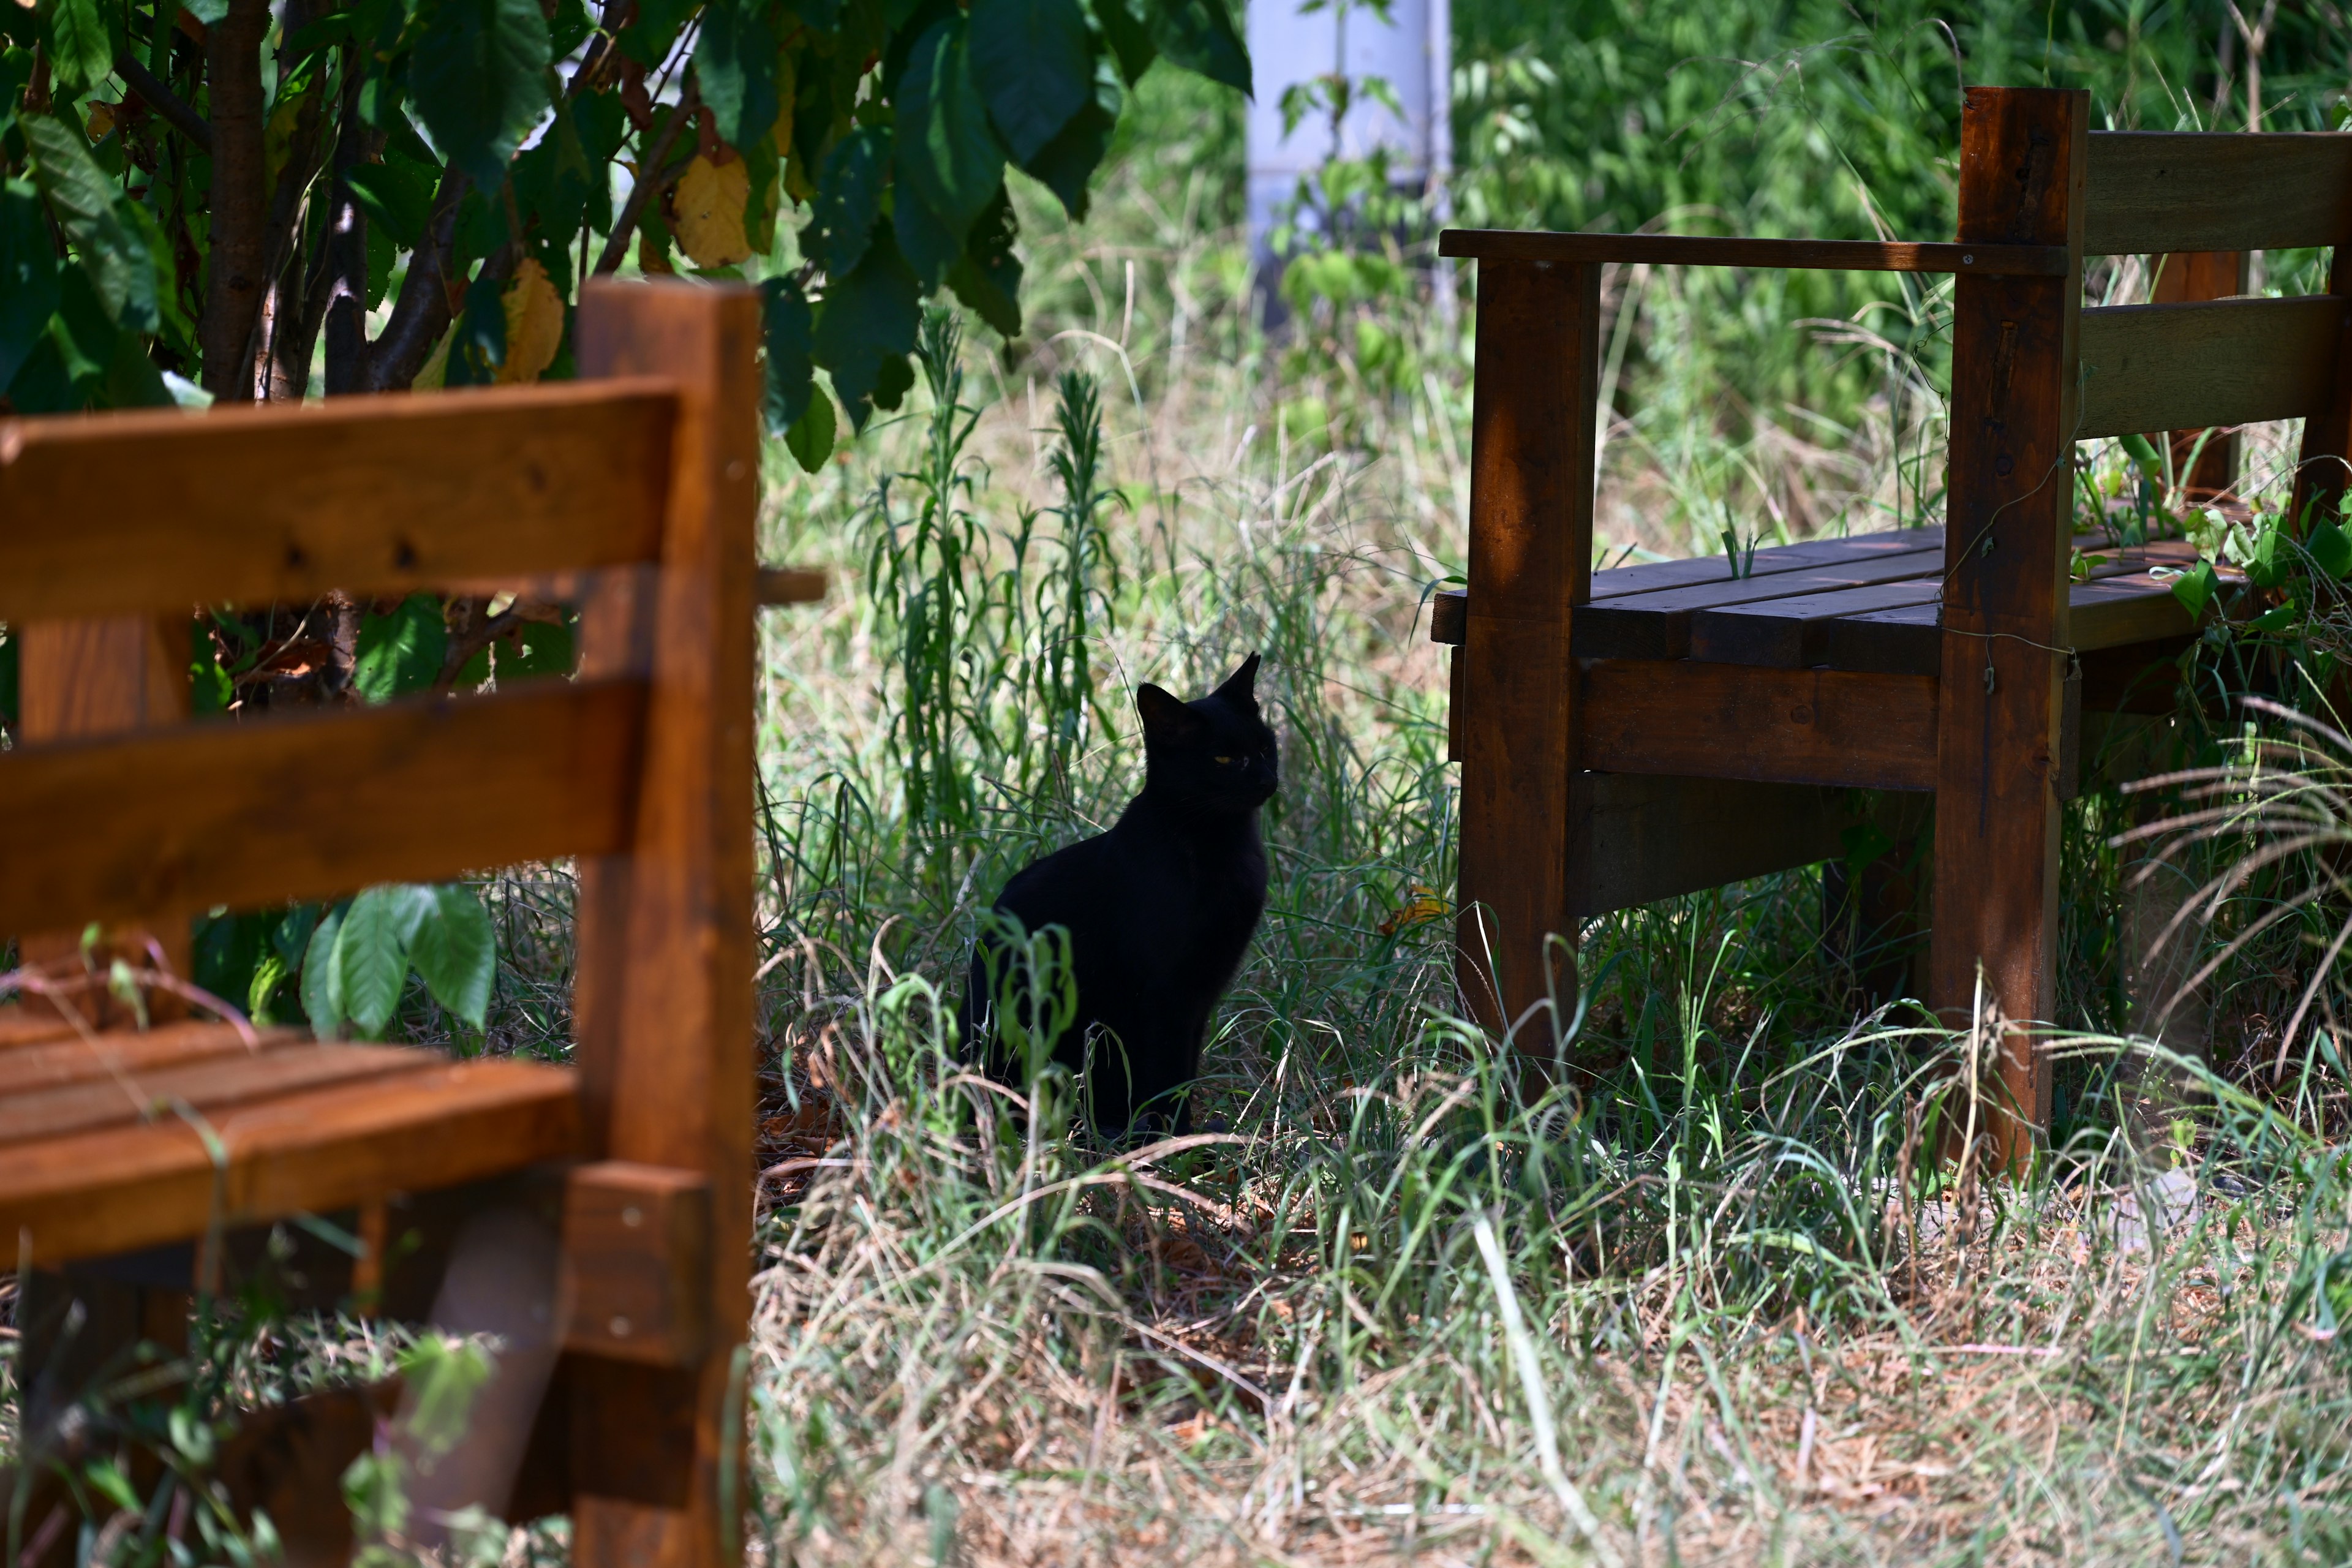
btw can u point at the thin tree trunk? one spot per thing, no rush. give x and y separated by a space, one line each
423 312
347 252
238 199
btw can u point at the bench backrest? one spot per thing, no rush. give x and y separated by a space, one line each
631 493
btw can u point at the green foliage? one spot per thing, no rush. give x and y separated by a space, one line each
401 652
356 962
881 131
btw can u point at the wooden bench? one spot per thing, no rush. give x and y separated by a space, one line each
632 494
1629 735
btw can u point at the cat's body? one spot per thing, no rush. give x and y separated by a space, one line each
1159 910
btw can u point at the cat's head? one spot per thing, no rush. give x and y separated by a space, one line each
1215 754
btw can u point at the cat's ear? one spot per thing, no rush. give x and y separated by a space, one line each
1240 686
1166 720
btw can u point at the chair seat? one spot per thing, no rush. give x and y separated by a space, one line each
1869 603
129 1138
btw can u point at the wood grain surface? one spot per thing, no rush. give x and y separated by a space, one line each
1531 491
373 496
2152 368
2154 191
312 806
1777 726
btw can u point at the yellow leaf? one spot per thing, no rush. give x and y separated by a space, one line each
653 255
436 374
101 120
278 135
535 324
710 203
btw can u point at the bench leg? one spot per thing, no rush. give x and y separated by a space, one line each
1531 562
2001 705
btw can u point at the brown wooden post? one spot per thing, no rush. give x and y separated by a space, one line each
89 677
665 1030
2322 473
1531 483
2189 276
2023 152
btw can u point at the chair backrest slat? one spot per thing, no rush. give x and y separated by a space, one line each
371 496
2153 191
170 821
2232 362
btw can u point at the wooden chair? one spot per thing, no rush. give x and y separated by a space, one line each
1634 733
631 493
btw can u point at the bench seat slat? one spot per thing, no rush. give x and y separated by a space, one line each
316 804
90 1193
66 1058
223 1081
1658 626
369 495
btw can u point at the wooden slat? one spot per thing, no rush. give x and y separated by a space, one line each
1794 633
2191 277
1449 607
2163 190
65 1058
1531 488
789 585
2007 538
1780 726
325 1149
2116 611
1705 250
208 1088
370 495
1660 625
2323 462
665 1035
1650 836
2150 368
309 805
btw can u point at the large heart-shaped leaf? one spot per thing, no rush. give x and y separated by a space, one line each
479 79
1199 36
866 322
1035 67
371 951
788 326
849 200
83 198
456 952
736 64
947 154
28 276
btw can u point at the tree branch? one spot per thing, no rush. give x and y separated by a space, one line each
347 251
422 312
651 177
160 98
238 197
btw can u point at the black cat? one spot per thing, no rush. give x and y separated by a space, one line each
1159 911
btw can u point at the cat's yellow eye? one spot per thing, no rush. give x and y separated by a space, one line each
1223 762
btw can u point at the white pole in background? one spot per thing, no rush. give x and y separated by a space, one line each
1412 50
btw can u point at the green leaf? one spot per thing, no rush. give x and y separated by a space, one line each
947 155
647 40
2331 548
83 199
541 650
28 276
736 64
849 200
788 325
810 440
1199 36
73 33
323 981
1035 66
479 79
371 951
401 652
867 320
552 183
2196 588
1130 36
456 952
396 196
2278 618
2144 455
1066 165
988 276
480 346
